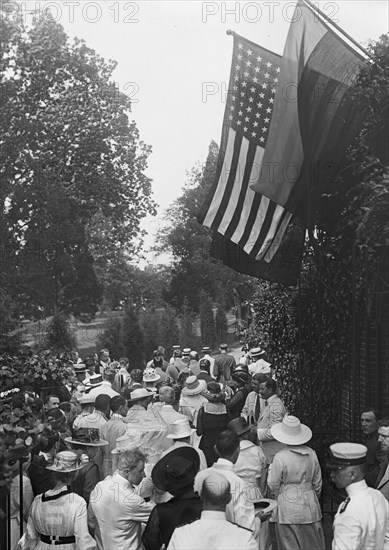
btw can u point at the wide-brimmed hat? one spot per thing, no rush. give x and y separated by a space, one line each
239 426
95 380
139 393
265 505
180 429
214 393
90 437
193 386
65 461
346 454
130 440
176 470
149 375
290 431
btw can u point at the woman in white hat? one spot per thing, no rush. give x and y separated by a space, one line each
295 479
191 399
58 516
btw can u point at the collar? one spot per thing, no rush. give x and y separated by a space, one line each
357 487
117 417
213 515
165 406
99 413
246 444
224 464
272 397
106 384
122 480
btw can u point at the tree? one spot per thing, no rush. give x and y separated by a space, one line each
73 188
168 333
189 242
150 324
112 338
133 340
186 320
59 337
207 322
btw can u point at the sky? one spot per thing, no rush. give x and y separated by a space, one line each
174 60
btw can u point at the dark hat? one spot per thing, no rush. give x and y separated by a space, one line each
346 454
239 426
86 436
176 470
214 393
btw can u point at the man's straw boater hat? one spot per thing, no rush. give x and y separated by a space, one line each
90 437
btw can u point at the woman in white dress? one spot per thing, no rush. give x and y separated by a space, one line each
59 514
295 479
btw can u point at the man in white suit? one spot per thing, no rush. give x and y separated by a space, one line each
382 483
272 413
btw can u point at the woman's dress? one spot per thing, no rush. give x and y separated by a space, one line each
211 420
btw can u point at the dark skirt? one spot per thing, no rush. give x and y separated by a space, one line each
209 426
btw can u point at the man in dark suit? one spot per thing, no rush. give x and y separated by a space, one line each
224 365
369 424
382 483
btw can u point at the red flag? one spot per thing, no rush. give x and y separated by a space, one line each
314 118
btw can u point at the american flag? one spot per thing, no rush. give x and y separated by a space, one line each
250 220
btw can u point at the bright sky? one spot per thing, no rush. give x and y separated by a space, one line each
174 60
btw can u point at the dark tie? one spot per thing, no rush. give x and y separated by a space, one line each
265 402
257 409
344 505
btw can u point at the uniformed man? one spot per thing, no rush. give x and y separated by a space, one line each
224 365
362 520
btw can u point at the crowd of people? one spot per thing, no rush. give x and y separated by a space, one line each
193 453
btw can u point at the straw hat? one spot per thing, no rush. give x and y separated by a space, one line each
79 367
150 376
139 393
86 398
256 352
180 429
95 380
129 441
265 505
193 386
186 352
90 437
176 470
65 461
290 431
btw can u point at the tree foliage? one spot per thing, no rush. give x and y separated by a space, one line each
133 339
59 337
189 242
207 322
73 189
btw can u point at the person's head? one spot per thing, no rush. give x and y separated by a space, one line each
124 362
70 411
109 374
215 492
347 463
181 380
227 445
369 420
157 358
177 353
257 380
141 396
131 466
223 348
267 388
104 355
136 376
119 405
65 467
56 419
193 356
51 402
103 404
90 364
205 365
166 395
49 441
383 434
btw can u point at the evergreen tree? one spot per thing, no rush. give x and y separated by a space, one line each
187 337
221 323
150 327
59 337
112 338
133 340
168 333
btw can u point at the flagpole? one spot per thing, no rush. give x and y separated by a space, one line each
317 10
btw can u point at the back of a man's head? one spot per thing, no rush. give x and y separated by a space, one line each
215 492
117 402
103 402
109 374
227 445
166 395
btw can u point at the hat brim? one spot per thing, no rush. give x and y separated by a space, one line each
181 436
68 471
117 451
154 379
303 437
265 505
195 391
91 386
140 398
100 443
157 474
